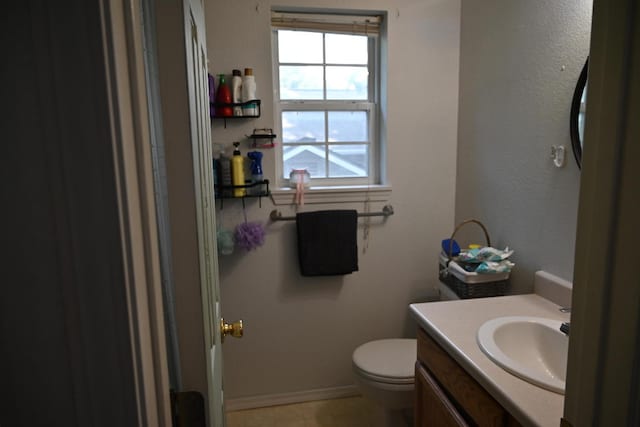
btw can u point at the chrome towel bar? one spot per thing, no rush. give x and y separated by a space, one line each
387 210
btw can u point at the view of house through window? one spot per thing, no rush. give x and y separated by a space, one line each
327 86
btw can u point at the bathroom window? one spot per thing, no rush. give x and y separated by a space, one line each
326 80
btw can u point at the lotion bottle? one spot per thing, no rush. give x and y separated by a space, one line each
237 171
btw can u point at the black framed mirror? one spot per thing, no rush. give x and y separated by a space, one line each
578 109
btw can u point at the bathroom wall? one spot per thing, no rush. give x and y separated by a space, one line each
300 332
519 63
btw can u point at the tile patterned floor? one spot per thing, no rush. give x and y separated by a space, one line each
346 412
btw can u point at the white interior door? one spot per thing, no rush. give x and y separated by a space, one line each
205 203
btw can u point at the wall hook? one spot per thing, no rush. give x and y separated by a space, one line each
558 155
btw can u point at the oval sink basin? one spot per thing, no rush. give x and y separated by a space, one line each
531 348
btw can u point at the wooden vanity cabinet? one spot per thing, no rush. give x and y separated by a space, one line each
446 395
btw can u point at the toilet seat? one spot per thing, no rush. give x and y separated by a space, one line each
389 361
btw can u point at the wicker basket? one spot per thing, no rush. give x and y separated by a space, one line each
470 285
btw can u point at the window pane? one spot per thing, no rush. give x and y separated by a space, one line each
347 82
300 82
303 126
309 157
346 49
300 47
348 161
348 126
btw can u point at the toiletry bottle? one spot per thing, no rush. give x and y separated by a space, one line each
256 172
216 173
216 149
212 96
224 170
236 92
249 93
223 97
237 171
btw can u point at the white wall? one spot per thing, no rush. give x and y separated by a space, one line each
520 61
300 332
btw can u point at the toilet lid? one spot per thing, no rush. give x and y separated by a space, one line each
390 360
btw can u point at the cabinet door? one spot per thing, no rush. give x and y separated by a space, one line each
432 407
474 401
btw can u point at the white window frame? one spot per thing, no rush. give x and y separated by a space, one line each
371 106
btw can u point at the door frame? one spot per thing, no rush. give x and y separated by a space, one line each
603 373
601 295
131 143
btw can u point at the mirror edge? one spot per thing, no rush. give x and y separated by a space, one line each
575 111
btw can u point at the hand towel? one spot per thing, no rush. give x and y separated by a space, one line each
327 242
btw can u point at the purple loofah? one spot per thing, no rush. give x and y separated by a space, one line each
250 235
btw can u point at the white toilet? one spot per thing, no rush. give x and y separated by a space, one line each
384 372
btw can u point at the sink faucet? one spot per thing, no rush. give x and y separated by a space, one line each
566 326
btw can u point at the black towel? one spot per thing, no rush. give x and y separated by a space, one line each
327 242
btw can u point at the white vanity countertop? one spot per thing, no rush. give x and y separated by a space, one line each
454 324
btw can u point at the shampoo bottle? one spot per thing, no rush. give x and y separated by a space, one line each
237 171
256 172
249 93
236 92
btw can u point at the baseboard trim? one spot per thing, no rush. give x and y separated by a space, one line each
287 398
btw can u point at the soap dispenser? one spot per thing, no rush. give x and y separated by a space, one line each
237 170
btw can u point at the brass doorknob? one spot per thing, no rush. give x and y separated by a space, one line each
234 329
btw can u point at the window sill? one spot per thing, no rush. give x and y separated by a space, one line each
344 194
